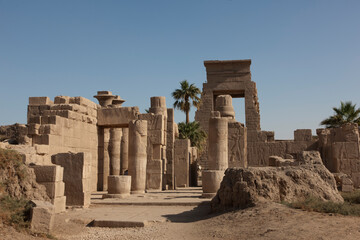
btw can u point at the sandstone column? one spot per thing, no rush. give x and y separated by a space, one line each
218 143
217 155
137 155
158 106
105 99
124 155
114 150
106 159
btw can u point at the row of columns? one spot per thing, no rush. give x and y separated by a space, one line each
126 150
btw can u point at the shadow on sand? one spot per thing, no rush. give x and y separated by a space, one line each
201 212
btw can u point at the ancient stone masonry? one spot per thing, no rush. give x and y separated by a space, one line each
156 145
248 145
51 176
340 150
77 177
65 124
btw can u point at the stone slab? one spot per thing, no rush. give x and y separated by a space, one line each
117 117
48 173
118 224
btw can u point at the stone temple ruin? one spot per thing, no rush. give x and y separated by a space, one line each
77 146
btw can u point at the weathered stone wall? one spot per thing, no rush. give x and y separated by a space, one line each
340 150
67 124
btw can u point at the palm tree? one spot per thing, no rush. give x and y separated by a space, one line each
192 131
183 96
347 113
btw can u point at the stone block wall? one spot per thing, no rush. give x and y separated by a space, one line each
340 150
77 177
51 176
67 124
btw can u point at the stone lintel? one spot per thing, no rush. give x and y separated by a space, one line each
117 117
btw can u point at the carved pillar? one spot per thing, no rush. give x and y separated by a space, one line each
217 155
137 155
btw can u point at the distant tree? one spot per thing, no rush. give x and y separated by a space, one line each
347 113
183 95
193 132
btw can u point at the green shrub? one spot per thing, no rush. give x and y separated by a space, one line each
15 212
318 205
352 197
12 163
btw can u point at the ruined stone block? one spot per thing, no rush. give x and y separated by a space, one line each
42 149
39 101
302 135
181 162
54 189
59 204
83 102
76 169
117 117
42 217
48 173
154 172
33 128
61 100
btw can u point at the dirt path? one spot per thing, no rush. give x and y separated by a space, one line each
266 221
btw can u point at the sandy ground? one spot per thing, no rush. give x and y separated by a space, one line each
265 221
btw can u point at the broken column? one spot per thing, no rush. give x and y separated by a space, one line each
137 155
158 105
118 186
217 155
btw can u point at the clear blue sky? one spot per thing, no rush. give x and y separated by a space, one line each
305 54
